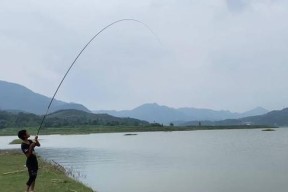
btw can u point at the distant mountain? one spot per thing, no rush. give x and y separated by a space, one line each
254 112
162 114
15 97
148 112
277 118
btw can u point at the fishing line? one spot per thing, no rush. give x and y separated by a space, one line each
103 29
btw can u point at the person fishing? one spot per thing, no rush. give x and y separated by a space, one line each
27 147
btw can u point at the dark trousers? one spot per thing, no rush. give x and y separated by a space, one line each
32 176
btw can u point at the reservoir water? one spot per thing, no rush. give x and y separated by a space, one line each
200 161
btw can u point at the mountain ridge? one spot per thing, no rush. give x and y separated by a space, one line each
278 118
153 112
16 97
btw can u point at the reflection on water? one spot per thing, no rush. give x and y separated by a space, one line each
200 161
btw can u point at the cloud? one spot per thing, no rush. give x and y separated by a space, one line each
237 5
220 54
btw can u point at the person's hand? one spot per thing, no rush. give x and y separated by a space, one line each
36 141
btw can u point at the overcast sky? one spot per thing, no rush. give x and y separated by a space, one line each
217 54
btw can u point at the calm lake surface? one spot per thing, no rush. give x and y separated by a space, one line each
194 161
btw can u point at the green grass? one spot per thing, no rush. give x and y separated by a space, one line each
14 131
13 175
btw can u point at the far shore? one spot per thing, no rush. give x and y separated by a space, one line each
118 129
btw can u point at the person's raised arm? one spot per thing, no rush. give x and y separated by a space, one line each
37 143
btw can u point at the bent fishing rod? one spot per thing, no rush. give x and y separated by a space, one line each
79 54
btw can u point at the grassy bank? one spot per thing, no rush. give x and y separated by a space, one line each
115 129
13 175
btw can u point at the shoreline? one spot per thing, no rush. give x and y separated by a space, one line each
51 176
125 129
125 132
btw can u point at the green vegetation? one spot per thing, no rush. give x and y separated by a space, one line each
9 119
65 118
13 175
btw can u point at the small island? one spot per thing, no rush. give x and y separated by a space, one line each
268 129
130 134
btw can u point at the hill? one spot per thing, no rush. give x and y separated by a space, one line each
277 118
152 112
274 118
64 118
15 97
